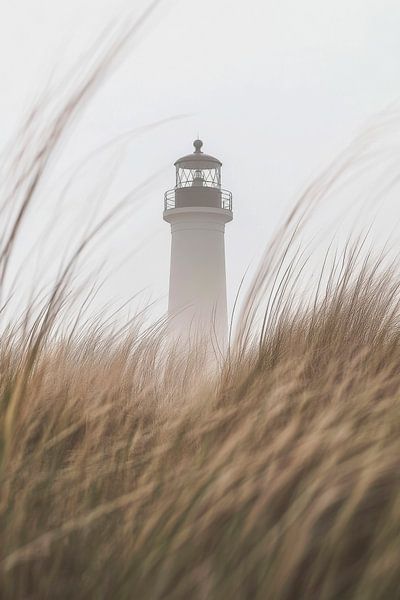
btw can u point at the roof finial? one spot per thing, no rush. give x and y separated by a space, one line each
198 144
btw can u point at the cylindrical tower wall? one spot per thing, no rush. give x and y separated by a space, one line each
197 291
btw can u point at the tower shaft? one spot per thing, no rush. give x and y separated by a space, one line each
197 290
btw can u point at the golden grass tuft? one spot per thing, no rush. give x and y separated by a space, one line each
279 479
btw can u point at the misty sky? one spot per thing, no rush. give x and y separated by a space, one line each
275 90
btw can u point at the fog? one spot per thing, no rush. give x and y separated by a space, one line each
275 89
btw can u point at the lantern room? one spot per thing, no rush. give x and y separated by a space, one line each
198 182
198 169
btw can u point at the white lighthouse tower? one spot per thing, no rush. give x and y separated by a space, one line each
197 209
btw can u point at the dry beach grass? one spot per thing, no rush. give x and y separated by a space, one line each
126 472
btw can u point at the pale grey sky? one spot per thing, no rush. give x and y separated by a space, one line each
275 90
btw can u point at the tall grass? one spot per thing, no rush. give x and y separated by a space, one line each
127 472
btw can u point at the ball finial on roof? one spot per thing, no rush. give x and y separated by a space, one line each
198 144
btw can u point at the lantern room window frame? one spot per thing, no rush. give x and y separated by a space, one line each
186 177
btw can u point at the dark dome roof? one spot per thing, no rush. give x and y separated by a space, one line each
198 160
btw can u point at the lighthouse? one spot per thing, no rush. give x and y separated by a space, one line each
198 209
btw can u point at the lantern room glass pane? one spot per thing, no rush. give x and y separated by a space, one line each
190 177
